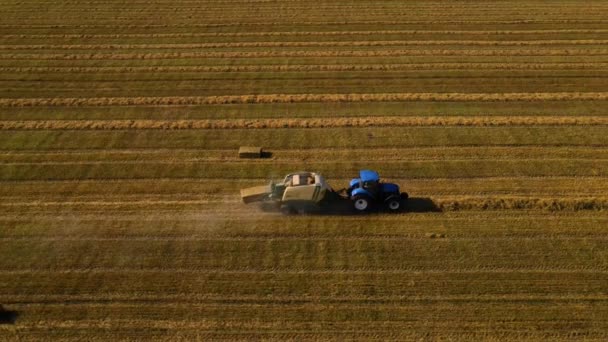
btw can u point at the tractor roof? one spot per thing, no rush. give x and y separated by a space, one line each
369 176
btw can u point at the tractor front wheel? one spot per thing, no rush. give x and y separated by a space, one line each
362 203
393 204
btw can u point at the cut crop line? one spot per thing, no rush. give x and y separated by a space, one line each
303 123
232 179
304 33
289 15
54 83
169 160
291 23
303 44
520 203
290 3
314 67
300 271
280 153
287 161
39 182
116 298
309 149
382 152
315 151
290 238
246 16
237 8
304 53
301 98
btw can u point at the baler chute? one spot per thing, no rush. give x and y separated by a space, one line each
256 193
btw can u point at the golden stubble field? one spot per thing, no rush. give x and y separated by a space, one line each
119 179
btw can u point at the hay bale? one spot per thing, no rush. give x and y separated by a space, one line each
250 152
435 235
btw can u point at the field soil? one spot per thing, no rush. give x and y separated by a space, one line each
120 125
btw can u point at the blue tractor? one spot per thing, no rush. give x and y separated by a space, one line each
368 192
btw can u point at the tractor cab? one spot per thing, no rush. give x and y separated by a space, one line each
368 182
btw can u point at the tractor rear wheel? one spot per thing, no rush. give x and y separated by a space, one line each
362 203
393 203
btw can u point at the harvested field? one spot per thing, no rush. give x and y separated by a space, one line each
120 125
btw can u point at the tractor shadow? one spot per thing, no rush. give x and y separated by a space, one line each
412 205
8 316
344 208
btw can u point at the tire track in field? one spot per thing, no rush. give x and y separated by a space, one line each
301 98
51 216
225 191
123 203
220 189
451 203
414 169
307 319
397 121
